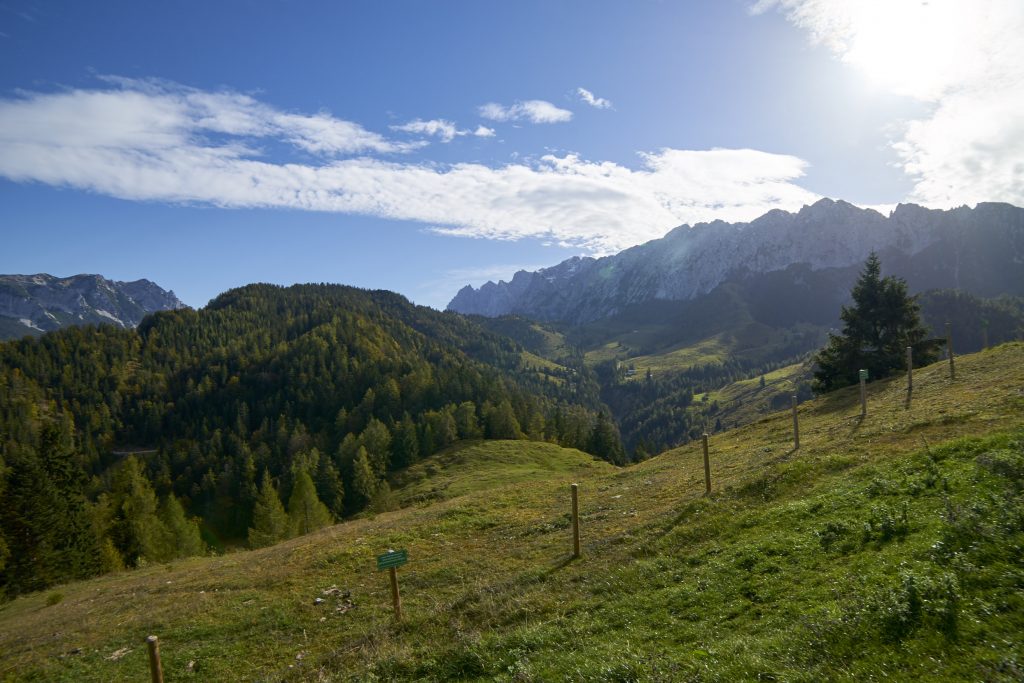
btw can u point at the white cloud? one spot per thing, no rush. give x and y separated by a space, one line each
445 130
151 115
534 111
179 145
597 102
964 58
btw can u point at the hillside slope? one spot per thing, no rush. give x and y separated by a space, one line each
885 547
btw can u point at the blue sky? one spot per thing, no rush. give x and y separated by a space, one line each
419 146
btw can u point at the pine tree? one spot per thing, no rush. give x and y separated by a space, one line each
136 530
377 440
182 537
365 483
4 553
405 446
466 421
305 511
269 520
502 422
328 484
605 442
883 320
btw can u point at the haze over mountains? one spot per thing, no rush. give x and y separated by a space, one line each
33 304
979 250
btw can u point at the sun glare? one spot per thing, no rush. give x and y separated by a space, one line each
912 47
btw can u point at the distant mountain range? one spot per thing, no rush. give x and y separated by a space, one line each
978 250
33 304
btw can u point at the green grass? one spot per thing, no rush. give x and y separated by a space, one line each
885 548
714 349
486 465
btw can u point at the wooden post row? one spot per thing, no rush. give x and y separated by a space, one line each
796 424
156 671
707 467
575 520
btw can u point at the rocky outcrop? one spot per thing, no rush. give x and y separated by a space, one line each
33 304
962 245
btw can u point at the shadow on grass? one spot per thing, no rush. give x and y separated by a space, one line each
561 563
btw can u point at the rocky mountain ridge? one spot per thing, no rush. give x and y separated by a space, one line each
33 304
691 261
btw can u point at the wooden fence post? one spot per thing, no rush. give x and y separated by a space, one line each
949 347
863 393
396 597
707 467
796 425
156 671
910 373
575 520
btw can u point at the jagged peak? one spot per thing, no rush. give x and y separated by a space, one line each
690 261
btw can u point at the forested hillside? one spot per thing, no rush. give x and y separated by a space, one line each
115 443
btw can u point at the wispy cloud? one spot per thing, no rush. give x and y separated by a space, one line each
154 115
148 142
589 98
964 58
446 131
534 111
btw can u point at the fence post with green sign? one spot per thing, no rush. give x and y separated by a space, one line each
392 560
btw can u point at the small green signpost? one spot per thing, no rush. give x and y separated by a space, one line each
864 374
392 560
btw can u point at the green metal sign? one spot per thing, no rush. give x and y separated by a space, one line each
864 374
392 559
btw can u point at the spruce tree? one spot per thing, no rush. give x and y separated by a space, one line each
305 511
45 528
883 320
405 446
328 483
269 520
467 422
502 422
365 483
136 531
605 442
4 553
182 537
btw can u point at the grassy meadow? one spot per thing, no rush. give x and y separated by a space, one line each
885 548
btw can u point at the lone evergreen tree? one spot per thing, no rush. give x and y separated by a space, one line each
877 328
269 520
